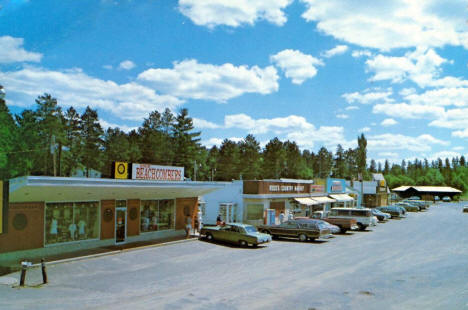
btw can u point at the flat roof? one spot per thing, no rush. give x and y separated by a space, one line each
45 188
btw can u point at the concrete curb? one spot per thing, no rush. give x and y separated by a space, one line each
78 258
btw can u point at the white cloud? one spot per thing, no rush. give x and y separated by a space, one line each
75 88
11 50
458 148
441 97
189 79
212 13
369 96
388 122
391 155
127 65
124 128
107 67
352 107
391 24
361 53
342 116
393 142
442 155
337 50
293 127
296 65
364 129
201 123
404 110
460 133
218 141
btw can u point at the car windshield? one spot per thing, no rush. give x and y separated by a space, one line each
250 229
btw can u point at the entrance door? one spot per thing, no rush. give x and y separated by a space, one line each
120 225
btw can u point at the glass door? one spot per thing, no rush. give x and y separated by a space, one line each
120 225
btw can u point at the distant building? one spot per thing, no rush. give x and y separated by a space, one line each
426 192
375 193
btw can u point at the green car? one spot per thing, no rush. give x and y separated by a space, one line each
408 206
241 234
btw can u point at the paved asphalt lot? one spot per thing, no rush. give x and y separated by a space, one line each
420 262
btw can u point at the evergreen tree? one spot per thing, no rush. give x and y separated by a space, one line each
361 156
91 136
274 159
249 149
72 141
8 136
186 142
228 161
340 165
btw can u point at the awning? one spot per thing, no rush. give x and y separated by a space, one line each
306 201
323 199
342 197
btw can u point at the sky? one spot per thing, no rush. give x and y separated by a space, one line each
316 72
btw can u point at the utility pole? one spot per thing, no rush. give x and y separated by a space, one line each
52 150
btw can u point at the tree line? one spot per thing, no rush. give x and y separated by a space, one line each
49 141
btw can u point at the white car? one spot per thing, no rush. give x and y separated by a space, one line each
363 216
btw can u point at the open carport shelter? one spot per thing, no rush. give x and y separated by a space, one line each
426 192
53 215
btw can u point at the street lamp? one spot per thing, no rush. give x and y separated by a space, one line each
2 92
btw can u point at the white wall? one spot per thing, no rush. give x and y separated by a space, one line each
231 193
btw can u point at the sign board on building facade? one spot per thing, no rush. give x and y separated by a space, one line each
157 173
336 185
120 170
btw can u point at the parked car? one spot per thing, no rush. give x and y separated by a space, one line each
294 229
381 216
363 216
409 206
436 198
241 234
420 203
344 224
446 199
414 198
394 211
334 229
465 209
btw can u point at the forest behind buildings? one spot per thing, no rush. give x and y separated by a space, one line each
48 140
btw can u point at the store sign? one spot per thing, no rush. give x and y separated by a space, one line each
336 186
120 170
286 188
157 173
317 188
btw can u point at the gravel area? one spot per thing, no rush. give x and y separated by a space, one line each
420 262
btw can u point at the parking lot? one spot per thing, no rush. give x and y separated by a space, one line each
420 262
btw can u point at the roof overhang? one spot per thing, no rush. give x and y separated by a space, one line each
306 201
323 199
341 197
34 188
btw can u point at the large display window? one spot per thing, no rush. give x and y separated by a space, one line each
157 215
71 221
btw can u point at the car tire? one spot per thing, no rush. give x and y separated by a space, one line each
266 231
302 237
361 227
209 237
243 243
312 239
343 230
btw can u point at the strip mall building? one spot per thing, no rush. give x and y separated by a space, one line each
52 215
261 201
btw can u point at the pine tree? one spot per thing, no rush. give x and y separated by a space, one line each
91 135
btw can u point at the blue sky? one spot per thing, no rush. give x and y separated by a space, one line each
316 72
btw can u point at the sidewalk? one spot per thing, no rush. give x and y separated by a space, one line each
89 253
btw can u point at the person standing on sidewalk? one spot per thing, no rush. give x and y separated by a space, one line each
188 226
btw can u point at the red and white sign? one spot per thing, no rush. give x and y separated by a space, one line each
157 173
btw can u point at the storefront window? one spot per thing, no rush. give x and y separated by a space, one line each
70 221
157 215
254 211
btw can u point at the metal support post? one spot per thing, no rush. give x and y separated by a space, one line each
44 272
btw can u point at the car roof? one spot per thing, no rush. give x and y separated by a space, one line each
238 224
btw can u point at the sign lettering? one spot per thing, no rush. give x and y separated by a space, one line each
157 173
